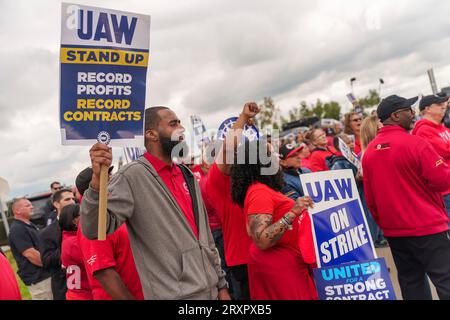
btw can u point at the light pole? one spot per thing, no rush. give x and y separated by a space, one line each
379 88
351 84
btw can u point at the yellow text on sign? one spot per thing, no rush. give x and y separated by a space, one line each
104 56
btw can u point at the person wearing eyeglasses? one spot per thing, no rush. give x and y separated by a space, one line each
430 128
352 124
403 180
321 153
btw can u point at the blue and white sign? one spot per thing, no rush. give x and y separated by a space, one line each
340 230
132 154
250 132
104 58
200 133
363 280
349 154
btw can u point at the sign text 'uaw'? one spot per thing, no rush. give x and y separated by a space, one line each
104 58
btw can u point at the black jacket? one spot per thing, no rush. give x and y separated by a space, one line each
50 249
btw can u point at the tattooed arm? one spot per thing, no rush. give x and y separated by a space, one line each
266 233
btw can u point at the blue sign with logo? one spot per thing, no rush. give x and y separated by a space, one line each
342 235
250 132
104 59
200 133
362 280
340 230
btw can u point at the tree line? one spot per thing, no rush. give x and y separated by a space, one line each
323 110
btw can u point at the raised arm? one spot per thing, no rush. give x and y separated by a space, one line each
226 152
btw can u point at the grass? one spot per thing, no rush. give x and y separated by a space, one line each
23 288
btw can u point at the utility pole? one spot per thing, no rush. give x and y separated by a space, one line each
434 87
4 191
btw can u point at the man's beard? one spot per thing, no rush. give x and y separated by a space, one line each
173 149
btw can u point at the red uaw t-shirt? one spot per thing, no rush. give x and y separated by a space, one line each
234 223
174 180
78 287
9 289
115 252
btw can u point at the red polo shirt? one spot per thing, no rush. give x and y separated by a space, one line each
174 180
115 252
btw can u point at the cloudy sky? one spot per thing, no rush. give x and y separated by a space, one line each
210 57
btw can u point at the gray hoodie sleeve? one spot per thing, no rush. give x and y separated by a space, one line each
120 207
217 265
217 261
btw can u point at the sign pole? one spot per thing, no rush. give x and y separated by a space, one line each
103 202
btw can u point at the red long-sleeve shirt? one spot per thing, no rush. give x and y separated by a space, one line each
438 136
403 179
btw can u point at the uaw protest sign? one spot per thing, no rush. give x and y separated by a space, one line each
340 230
361 280
103 70
347 260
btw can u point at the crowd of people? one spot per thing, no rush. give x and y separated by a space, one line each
227 229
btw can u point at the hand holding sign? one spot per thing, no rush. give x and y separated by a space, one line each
101 159
301 205
101 155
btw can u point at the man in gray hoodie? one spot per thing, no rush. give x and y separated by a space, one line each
161 203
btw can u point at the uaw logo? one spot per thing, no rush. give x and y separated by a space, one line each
250 132
104 137
383 146
92 259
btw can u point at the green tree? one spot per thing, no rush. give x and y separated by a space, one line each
332 110
318 109
305 111
371 100
329 110
294 114
267 115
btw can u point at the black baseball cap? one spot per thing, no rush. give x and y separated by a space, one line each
84 178
429 100
392 104
289 149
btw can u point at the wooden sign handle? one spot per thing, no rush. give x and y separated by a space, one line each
102 204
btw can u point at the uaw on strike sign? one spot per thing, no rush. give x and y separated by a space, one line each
348 265
104 58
